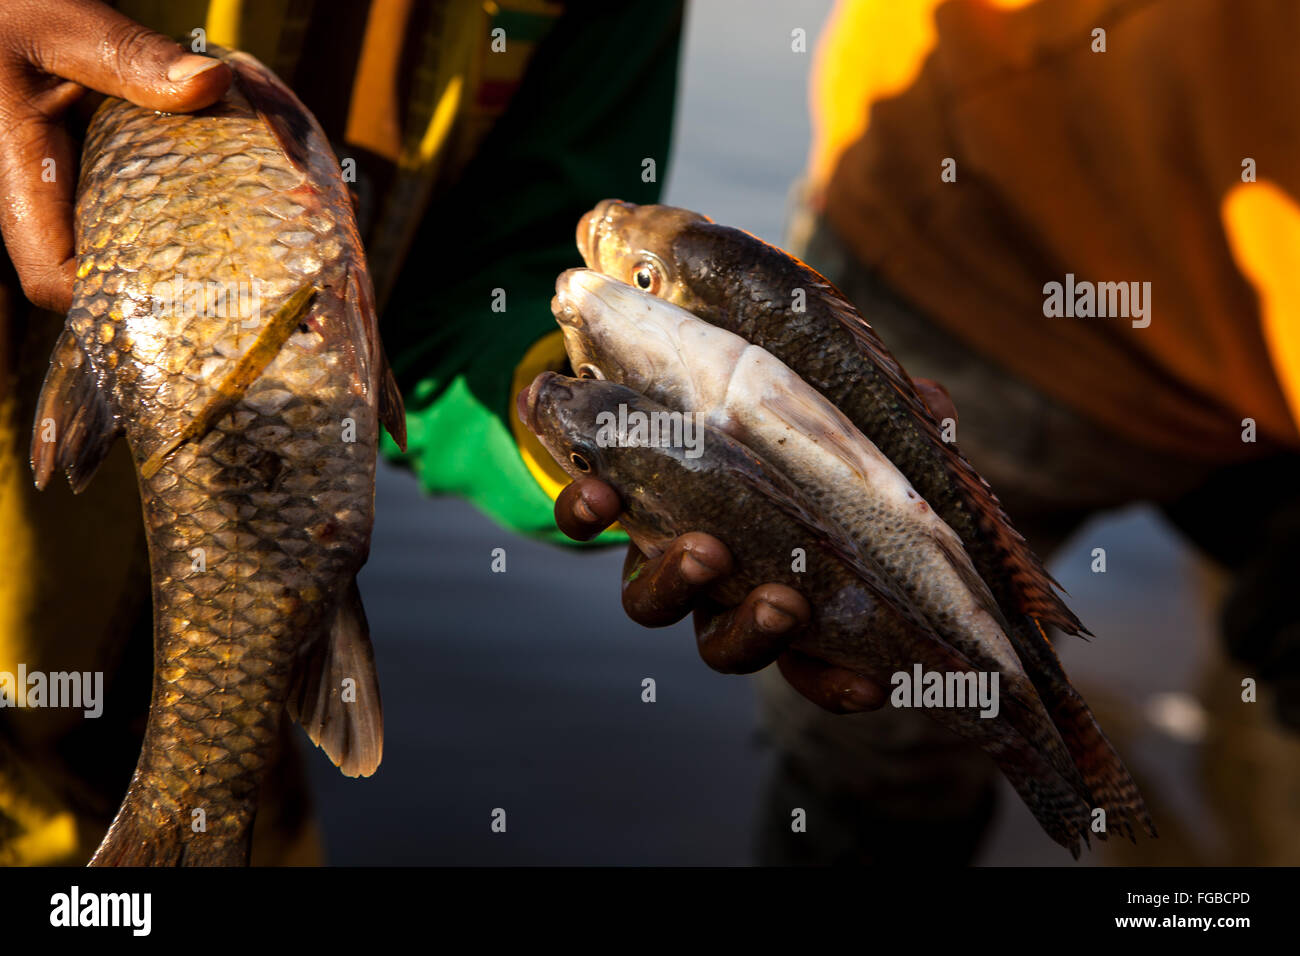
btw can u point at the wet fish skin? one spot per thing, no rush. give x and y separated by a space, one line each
736 281
258 523
617 332
622 334
859 620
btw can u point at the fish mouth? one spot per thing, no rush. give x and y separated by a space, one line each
586 232
565 312
589 228
572 288
528 402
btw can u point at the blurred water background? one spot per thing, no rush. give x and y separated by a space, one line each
522 690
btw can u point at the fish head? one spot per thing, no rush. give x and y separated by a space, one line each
568 416
589 427
592 341
641 245
618 333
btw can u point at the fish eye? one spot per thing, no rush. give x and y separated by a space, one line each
646 276
586 370
580 463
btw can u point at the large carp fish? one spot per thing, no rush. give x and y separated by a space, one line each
736 282
223 320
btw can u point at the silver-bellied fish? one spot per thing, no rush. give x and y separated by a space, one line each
617 332
738 282
861 620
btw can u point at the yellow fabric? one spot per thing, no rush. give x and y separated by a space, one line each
48 835
374 115
223 22
1110 166
1262 224
67 571
867 51
19 545
546 355
70 573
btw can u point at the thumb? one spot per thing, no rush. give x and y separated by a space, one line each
100 48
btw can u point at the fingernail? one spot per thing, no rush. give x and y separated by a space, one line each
189 66
861 695
771 619
583 511
696 571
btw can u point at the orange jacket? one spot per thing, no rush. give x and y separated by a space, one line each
1127 165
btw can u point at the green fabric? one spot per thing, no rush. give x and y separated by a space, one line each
596 101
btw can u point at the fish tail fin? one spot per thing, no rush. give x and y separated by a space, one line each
336 692
1112 786
137 839
1025 710
1053 797
1053 800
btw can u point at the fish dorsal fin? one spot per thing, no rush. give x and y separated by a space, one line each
277 107
1035 588
76 423
1023 709
336 692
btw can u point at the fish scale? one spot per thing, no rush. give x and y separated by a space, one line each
258 522
736 281
859 622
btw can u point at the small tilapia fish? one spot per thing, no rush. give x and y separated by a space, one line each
223 320
860 620
616 332
736 281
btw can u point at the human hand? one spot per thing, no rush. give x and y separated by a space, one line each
51 51
739 640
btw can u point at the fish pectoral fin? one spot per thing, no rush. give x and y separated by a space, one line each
960 562
76 424
270 339
336 692
361 329
392 410
828 426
